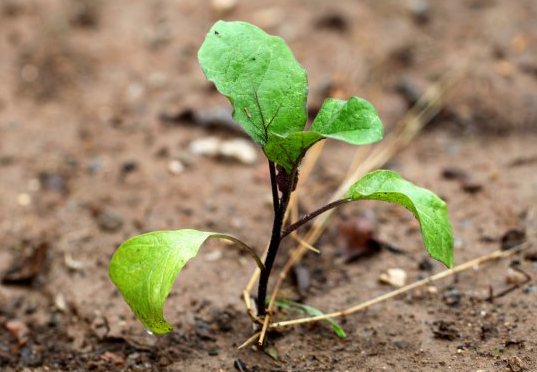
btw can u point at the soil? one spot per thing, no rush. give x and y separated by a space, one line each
98 97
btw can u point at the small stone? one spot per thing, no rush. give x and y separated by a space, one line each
514 277
129 166
421 10
24 199
239 149
399 342
425 264
114 358
175 167
213 256
205 146
60 302
72 263
432 289
452 297
17 329
513 238
109 221
224 6
395 277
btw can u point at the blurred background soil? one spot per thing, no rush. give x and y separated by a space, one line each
102 104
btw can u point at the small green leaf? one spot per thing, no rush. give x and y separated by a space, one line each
311 311
316 312
355 121
267 87
288 151
144 269
428 208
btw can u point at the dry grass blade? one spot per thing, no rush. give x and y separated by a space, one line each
364 305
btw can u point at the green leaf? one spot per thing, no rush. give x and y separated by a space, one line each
288 151
144 269
428 208
258 73
355 121
311 311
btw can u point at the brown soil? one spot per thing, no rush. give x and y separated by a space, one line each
84 153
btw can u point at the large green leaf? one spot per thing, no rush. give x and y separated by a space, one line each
288 151
144 269
428 208
354 121
258 73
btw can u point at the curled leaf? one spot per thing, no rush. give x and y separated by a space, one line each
427 207
144 269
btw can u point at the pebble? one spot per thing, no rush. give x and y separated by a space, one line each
24 199
205 146
395 277
425 264
238 149
129 166
514 277
452 297
17 329
175 167
213 256
60 303
421 10
109 221
72 263
114 358
432 289
224 6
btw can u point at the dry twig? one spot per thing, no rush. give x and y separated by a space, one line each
364 305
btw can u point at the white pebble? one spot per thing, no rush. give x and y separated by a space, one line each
205 146
395 277
224 6
175 167
239 149
60 303
24 199
213 256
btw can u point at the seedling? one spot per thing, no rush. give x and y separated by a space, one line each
268 89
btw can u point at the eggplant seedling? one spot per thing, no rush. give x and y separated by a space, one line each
268 89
